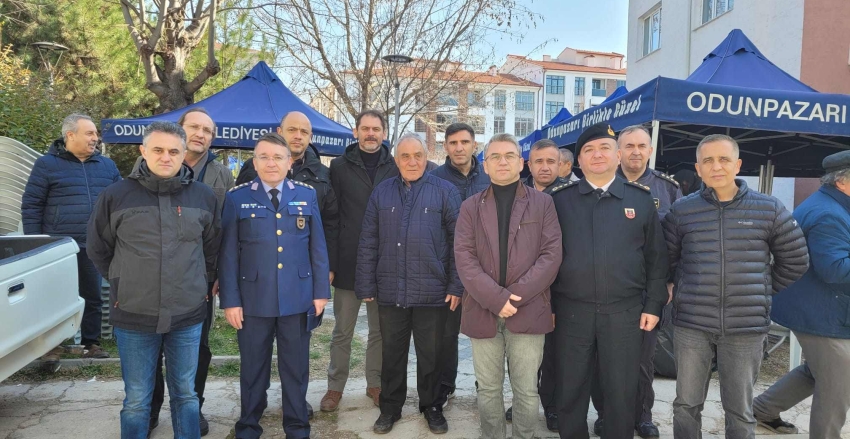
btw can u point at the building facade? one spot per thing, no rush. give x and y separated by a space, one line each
809 39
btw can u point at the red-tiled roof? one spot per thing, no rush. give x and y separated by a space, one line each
554 65
599 53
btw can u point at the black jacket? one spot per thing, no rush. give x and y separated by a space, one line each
467 185
352 187
613 248
529 181
156 240
721 257
311 171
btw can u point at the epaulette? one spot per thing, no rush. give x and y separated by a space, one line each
562 186
636 184
666 177
302 184
239 187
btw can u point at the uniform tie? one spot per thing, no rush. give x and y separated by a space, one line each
598 191
275 201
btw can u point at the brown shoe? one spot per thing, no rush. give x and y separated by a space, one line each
375 394
94 351
330 402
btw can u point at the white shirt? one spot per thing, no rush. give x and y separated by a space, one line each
268 188
603 187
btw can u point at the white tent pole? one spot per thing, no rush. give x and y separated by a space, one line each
655 132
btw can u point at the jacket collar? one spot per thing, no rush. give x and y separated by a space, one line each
642 176
474 169
310 161
352 154
617 188
837 195
162 185
57 148
529 181
258 192
709 195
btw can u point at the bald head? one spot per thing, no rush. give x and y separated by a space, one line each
297 130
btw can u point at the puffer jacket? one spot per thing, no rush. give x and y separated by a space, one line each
721 256
406 252
61 192
156 240
468 185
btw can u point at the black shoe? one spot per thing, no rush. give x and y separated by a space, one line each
385 423
509 414
597 427
309 411
154 422
779 426
552 421
436 421
205 426
647 430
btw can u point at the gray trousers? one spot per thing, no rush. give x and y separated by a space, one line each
346 309
738 362
825 375
524 353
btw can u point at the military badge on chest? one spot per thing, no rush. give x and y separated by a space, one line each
301 222
657 202
630 213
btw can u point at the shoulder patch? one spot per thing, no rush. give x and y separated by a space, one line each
638 185
562 186
302 184
239 186
666 177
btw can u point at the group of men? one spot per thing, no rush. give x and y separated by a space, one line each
564 279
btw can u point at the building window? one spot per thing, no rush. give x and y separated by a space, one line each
499 125
652 31
474 98
712 9
552 108
598 88
555 85
420 126
447 97
523 126
621 83
579 86
578 108
524 101
477 123
444 120
500 98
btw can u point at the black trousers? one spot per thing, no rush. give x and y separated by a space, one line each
645 394
204 358
90 285
293 364
546 375
427 325
448 353
587 340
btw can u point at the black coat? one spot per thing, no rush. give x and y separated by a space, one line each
614 248
311 171
721 254
467 185
352 187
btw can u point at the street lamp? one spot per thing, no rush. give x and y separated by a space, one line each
47 46
397 59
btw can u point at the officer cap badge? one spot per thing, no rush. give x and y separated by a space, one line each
301 222
630 213
610 131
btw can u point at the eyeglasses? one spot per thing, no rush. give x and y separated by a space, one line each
195 127
497 158
278 159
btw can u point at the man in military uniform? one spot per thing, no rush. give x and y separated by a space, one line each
544 160
600 308
635 146
268 293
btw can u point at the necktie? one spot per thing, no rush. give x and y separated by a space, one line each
598 192
275 201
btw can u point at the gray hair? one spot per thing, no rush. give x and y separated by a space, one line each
165 128
831 178
407 135
711 138
632 128
566 155
503 137
69 123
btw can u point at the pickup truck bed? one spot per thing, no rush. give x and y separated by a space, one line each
40 304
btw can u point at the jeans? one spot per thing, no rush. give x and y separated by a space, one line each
138 352
397 324
824 375
738 362
90 290
346 309
525 353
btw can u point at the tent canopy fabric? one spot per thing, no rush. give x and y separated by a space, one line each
620 91
527 141
243 112
793 129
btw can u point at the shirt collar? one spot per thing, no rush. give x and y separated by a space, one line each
267 188
604 187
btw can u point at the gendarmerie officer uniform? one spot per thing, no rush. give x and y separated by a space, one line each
614 250
273 264
664 189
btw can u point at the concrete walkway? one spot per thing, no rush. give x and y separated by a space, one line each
90 409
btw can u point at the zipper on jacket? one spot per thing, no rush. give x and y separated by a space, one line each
722 275
88 189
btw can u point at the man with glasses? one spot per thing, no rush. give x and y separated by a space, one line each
507 252
274 285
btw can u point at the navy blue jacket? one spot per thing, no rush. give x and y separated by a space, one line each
61 192
406 252
819 303
467 185
273 262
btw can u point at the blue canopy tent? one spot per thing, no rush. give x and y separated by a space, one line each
779 122
537 134
620 91
243 112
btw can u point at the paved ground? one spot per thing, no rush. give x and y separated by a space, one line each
90 409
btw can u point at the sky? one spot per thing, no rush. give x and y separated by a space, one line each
599 25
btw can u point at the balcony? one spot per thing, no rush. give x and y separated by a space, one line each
598 92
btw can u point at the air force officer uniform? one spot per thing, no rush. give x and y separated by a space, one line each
273 264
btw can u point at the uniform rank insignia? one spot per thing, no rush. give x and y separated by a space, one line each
630 213
301 222
657 203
